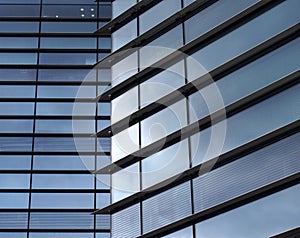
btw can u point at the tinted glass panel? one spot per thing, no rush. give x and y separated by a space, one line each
20 11
124 35
16 126
8 162
8 108
185 233
66 91
119 6
65 109
17 74
17 91
64 126
15 144
68 2
68 58
18 58
158 13
62 200
104 11
61 235
68 43
11 181
18 42
19 27
72 27
211 17
14 200
69 11
67 75
60 181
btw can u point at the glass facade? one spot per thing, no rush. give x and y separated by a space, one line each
203 139
47 50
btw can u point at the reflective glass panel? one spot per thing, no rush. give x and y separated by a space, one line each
11 26
9 162
66 91
17 74
68 58
65 109
12 108
69 11
70 27
18 42
18 58
67 75
68 43
124 35
120 6
17 91
18 181
16 126
20 11
14 200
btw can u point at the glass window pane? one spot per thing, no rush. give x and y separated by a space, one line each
62 200
281 210
90 2
20 11
17 181
62 181
61 235
20 1
210 17
65 109
69 11
10 162
14 200
184 233
16 126
104 43
187 2
15 144
8 26
165 164
66 91
63 162
158 13
156 127
69 27
120 6
67 75
12 108
18 58
19 42
124 35
68 43
102 200
13 235
67 58
238 41
104 11
17 91
17 74
64 126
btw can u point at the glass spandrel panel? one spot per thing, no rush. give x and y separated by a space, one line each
281 210
165 164
260 119
69 27
158 13
14 200
15 162
62 200
20 11
60 75
68 43
244 38
68 58
13 91
162 84
12 108
17 74
210 17
17 181
63 162
69 11
11 26
156 126
16 126
18 58
124 35
19 42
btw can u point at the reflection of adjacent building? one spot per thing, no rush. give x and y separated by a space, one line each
47 47
206 149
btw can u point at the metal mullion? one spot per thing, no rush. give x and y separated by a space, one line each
224 159
294 233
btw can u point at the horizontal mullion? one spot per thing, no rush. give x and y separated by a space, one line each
127 16
55 230
54 35
294 233
54 191
195 172
226 206
204 123
44 66
54 83
59 153
41 50
203 81
53 117
59 100
197 44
